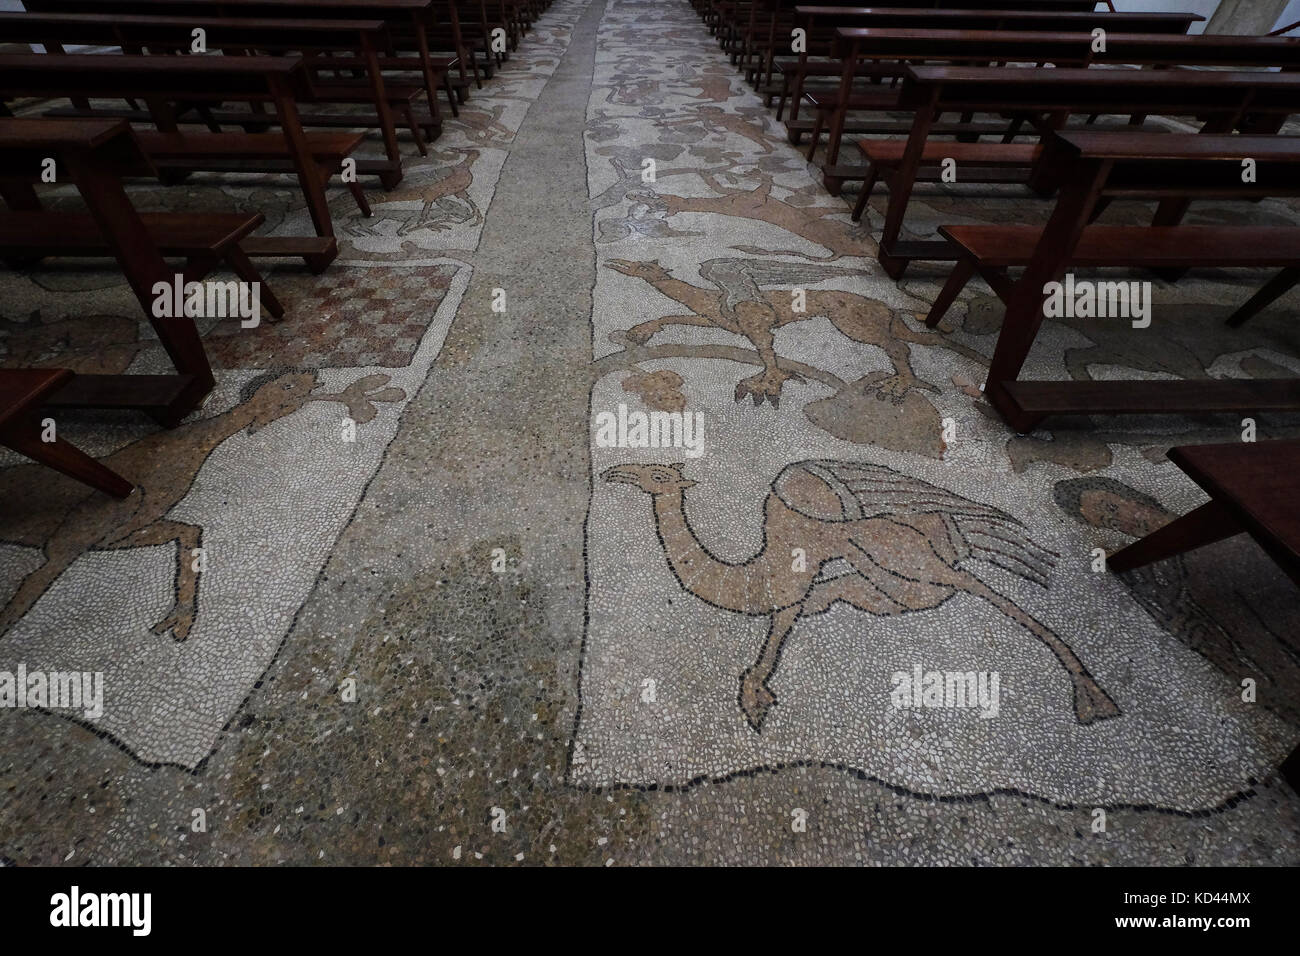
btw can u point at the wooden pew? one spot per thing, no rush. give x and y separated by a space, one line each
196 79
823 23
1253 489
1091 167
318 40
95 154
411 24
1228 99
22 393
983 46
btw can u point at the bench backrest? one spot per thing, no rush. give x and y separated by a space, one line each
1078 48
1160 92
157 32
204 78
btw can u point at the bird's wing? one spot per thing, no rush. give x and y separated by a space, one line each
776 272
879 491
987 532
743 279
733 279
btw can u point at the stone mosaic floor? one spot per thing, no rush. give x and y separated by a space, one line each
567 652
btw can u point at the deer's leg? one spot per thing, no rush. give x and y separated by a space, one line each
188 538
756 699
34 586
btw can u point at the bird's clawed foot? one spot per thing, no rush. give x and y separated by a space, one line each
179 622
1091 703
755 699
894 388
765 386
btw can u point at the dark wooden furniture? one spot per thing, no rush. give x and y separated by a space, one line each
1226 99
322 42
203 240
1254 489
166 81
890 48
22 392
823 56
1091 167
412 24
94 154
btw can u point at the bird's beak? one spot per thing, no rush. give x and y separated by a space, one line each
617 475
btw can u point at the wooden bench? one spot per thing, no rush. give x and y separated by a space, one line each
992 250
1253 488
825 26
1226 99
982 47
320 41
1169 167
22 393
410 24
973 159
204 240
95 154
165 81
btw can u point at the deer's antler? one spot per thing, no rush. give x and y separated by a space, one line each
360 396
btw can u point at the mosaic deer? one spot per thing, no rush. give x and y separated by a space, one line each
72 519
874 538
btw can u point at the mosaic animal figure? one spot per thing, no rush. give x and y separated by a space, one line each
876 539
444 202
72 519
743 301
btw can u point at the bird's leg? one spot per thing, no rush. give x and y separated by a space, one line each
1090 701
894 388
756 699
755 322
642 333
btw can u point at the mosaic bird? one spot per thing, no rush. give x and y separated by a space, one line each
874 538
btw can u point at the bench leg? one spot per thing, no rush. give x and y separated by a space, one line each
816 133
62 456
961 274
1207 524
1273 289
451 94
359 195
414 127
869 184
243 267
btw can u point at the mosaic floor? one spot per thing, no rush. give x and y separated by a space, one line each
499 627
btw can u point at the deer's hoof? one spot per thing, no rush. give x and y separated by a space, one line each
1091 703
755 699
178 622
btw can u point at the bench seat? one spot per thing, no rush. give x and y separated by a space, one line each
22 392
991 250
203 239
